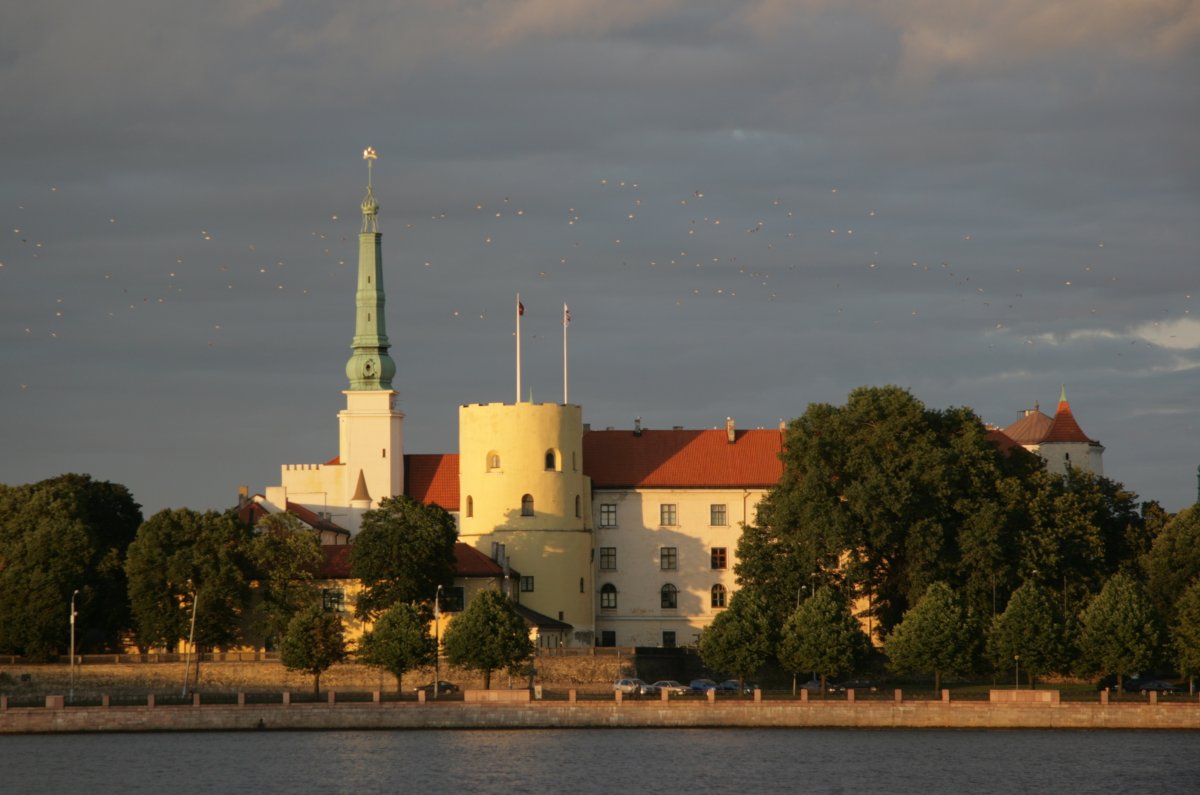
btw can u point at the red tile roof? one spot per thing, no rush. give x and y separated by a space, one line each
1030 429
432 478
1004 443
682 459
1065 428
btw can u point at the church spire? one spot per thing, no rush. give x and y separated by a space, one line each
370 366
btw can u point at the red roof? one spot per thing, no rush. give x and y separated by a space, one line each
468 562
1003 442
432 478
682 459
1065 428
1031 428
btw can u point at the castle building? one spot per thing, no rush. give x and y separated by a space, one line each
601 537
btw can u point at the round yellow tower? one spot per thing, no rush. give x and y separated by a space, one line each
524 501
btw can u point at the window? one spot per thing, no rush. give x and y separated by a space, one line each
452 600
608 558
553 462
581 585
668 639
718 595
527 505
608 638
526 584
717 516
578 507
333 600
493 461
608 514
667 558
670 597
718 558
470 506
608 596
667 515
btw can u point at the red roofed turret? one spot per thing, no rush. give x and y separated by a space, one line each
1064 428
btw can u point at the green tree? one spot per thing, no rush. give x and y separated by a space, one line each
399 642
284 556
487 636
739 640
57 536
183 559
934 636
1030 628
313 642
1173 560
823 636
1119 631
1185 634
403 551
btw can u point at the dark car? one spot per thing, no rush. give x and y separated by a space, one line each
702 686
443 687
1145 686
861 685
814 686
735 687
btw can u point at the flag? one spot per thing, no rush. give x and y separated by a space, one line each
369 153
520 308
566 316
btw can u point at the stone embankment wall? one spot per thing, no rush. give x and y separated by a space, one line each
615 713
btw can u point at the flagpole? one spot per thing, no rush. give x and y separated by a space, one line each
566 324
519 308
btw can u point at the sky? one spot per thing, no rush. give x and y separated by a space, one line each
749 207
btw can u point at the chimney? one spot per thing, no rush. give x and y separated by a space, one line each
637 426
243 495
730 434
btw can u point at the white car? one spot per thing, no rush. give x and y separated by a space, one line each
633 687
672 687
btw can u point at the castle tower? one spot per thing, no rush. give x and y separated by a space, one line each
1065 445
525 501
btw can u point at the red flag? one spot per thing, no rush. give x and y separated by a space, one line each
520 308
566 316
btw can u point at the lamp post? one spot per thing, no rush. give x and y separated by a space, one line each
71 688
437 641
1016 672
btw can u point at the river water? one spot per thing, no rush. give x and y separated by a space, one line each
625 761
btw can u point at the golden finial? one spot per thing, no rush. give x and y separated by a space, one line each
369 206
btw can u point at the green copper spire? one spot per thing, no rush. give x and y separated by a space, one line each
369 366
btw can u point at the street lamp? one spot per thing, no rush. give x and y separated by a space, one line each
1016 672
437 641
71 689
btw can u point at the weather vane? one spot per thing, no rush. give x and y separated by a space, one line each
369 206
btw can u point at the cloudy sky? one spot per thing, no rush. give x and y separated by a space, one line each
749 206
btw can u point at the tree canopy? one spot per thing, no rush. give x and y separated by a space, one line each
57 536
934 636
823 636
1173 561
1185 632
1031 628
284 557
739 640
488 636
313 642
1119 633
403 551
399 642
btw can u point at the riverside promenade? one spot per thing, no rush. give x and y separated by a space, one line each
514 709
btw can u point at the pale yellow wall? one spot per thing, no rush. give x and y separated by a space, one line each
554 546
639 618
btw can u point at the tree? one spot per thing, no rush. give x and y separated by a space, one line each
823 636
183 559
487 636
285 556
1119 632
1031 628
1173 560
403 551
57 536
399 642
313 642
1185 634
934 636
739 640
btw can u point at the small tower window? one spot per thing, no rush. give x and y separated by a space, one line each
493 461
470 506
553 461
527 505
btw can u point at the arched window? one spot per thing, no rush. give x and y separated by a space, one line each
670 596
718 595
470 506
493 461
553 461
608 596
527 505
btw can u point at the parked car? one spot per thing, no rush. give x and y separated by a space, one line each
443 687
860 685
672 687
702 686
814 686
1145 686
735 687
633 687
